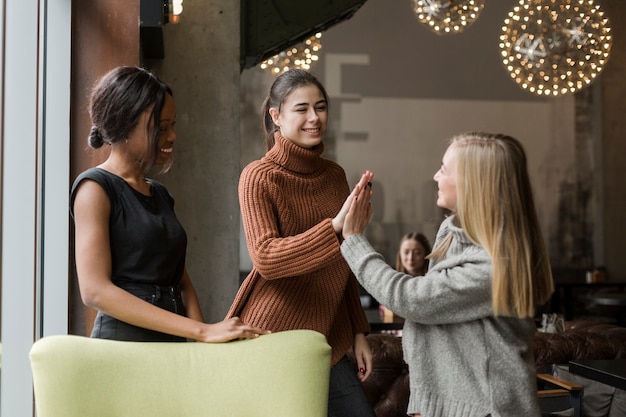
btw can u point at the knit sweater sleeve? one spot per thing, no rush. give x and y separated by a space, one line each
455 290
273 255
360 322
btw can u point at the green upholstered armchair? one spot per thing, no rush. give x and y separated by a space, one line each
280 374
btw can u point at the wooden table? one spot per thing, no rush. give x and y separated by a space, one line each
611 372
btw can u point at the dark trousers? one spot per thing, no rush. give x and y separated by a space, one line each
346 397
167 298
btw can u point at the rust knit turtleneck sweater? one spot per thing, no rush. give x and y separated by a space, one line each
300 279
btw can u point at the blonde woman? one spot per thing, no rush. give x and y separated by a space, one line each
469 321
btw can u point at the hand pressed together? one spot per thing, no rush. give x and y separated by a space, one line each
360 211
364 182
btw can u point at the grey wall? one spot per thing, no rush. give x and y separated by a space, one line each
407 60
202 65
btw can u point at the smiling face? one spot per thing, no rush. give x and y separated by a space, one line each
303 116
446 180
167 135
139 145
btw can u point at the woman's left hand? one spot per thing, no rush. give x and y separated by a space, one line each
366 178
360 211
363 355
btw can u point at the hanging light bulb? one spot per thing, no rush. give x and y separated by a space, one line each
173 8
552 47
300 56
447 16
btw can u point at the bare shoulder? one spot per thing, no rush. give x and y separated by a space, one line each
91 198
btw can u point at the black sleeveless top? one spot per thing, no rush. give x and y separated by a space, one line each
148 246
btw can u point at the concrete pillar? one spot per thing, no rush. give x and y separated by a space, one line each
202 66
613 81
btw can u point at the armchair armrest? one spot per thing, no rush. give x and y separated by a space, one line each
556 394
553 382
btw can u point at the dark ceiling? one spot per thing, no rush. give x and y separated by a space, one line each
271 26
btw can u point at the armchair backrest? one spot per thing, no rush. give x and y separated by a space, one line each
280 374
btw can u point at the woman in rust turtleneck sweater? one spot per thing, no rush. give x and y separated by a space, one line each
293 206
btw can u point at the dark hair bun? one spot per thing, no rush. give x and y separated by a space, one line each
95 138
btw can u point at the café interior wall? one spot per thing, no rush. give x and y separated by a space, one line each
381 119
405 151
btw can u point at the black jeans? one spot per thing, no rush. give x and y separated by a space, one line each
346 397
167 298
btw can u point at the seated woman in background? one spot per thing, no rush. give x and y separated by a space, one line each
411 259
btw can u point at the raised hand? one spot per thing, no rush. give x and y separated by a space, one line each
360 210
366 178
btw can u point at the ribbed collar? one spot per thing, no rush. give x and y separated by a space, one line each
449 225
293 157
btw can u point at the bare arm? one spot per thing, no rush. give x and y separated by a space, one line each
93 266
190 298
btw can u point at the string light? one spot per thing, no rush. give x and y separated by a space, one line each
174 10
552 47
300 56
447 16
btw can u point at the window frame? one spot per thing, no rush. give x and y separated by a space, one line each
34 158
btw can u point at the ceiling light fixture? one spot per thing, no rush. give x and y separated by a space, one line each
174 8
447 16
552 47
302 56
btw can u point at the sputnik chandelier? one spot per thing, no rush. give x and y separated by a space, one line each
300 56
555 47
447 16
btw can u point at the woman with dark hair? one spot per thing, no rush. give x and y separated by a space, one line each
129 246
469 323
293 203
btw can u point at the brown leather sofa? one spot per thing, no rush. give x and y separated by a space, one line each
579 341
388 386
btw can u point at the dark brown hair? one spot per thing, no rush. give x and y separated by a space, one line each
281 88
117 102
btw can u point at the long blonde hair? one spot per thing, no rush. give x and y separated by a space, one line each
496 210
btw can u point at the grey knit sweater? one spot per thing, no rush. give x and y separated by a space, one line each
463 361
